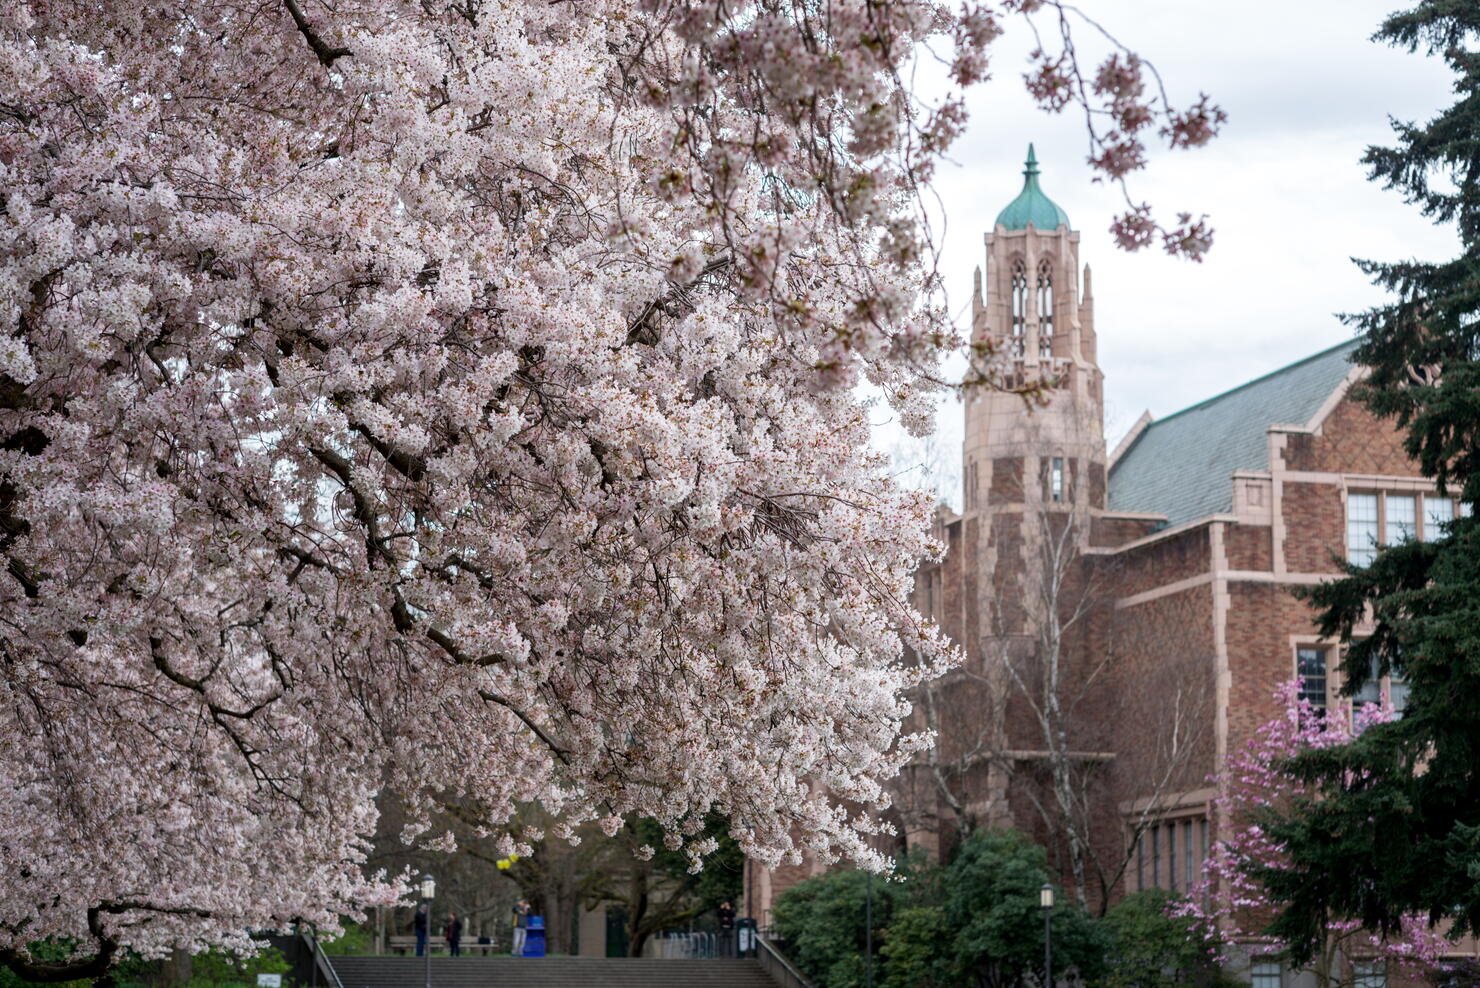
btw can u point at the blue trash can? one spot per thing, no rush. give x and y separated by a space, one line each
534 937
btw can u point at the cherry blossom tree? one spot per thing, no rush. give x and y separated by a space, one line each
1230 897
454 399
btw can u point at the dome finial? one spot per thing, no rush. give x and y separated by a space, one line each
1032 207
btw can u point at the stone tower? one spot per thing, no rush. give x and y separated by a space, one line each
1020 460
1033 474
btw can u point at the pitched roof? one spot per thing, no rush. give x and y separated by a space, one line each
1180 466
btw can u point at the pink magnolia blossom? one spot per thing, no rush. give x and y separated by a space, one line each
1228 897
451 400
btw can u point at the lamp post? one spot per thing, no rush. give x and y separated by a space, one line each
868 931
428 892
1045 900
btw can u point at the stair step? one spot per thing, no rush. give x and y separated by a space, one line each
549 972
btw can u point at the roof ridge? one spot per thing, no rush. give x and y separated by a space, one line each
1253 381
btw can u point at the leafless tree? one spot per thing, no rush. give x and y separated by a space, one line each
1063 656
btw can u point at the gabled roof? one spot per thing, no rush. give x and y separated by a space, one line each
1181 465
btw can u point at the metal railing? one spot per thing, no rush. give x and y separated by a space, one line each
774 963
688 945
321 969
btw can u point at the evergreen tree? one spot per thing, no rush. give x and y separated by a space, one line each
1390 823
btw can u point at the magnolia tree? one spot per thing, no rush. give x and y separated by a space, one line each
454 399
1230 898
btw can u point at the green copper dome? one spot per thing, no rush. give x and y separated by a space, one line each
1031 205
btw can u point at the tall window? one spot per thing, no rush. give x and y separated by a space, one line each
1372 687
1402 519
1437 512
1045 311
1265 974
1019 307
1187 855
1202 829
1310 667
1056 479
1172 857
1361 528
1156 856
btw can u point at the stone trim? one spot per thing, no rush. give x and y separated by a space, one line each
1222 671
1227 576
1172 804
1334 398
1165 590
1165 533
1129 439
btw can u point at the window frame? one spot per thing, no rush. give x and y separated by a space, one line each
1018 309
1301 675
1369 972
1332 655
1173 868
1383 526
1260 979
1045 310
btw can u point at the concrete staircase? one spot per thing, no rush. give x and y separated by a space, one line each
549 972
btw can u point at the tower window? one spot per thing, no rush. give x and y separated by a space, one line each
1019 307
1056 479
1045 311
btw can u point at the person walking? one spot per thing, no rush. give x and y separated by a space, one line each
726 913
419 924
453 933
521 923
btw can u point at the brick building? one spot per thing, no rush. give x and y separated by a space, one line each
1127 615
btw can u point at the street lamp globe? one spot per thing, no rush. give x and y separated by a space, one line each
1045 896
428 887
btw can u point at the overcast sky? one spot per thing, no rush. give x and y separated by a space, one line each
1306 92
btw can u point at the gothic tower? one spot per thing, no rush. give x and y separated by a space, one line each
1033 473
1030 306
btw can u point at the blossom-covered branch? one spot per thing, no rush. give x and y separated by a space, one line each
452 400
1230 897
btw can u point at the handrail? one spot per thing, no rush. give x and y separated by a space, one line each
320 960
774 963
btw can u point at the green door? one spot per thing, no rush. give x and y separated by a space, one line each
616 931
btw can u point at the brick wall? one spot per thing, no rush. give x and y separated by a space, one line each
1109 532
1352 440
1249 547
1164 561
1315 526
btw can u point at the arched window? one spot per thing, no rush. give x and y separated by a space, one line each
1019 307
1045 311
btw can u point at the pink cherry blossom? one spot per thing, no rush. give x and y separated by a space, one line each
454 401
